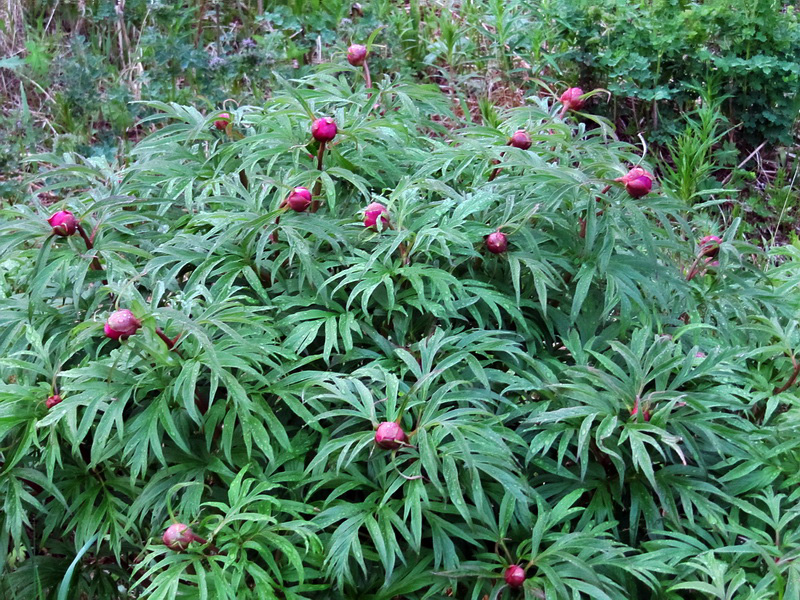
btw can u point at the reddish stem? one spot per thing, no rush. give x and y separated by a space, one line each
273 237
693 270
496 171
318 185
792 378
167 340
320 154
367 77
94 232
96 266
404 253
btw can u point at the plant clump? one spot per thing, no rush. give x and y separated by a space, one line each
420 413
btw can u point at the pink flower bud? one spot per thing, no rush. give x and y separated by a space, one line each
496 242
178 536
699 354
373 212
222 122
356 55
324 129
300 199
638 182
515 576
390 435
52 401
571 99
121 324
709 246
520 139
63 223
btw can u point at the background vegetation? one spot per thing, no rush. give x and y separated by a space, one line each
611 403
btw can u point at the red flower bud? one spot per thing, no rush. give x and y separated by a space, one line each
709 246
324 129
373 212
52 401
496 242
356 55
638 182
63 223
121 324
223 121
520 139
390 435
178 536
571 99
515 576
300 199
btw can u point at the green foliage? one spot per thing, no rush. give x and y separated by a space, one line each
697 153
86 62
656 52
577 405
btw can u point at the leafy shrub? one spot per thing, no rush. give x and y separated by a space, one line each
604 403
656 52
